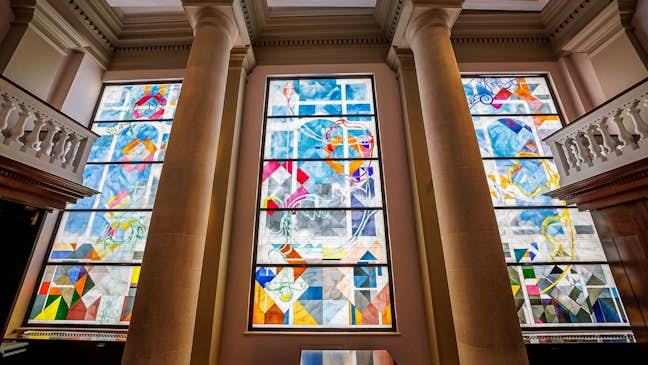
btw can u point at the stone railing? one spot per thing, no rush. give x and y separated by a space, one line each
612 135
34 133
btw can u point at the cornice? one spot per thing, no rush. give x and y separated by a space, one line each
153 48
564 19
598 32
364 41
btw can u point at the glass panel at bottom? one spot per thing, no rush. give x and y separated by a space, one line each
334 297
85 294
566 295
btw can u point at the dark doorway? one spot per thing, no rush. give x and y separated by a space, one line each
19 227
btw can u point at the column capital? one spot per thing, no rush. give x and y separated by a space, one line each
424 17
242 57
400 59
218 16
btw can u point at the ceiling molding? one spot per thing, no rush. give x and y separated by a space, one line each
598 32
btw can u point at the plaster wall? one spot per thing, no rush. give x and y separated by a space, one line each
84 91
34 65
640 22
409 345
617 65
5 18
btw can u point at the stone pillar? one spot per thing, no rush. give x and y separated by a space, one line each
162 328
485 320
211 300
438 310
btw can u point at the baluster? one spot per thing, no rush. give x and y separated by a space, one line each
72 151
59 147
18 130
594 146
608 142
32 141
638 123
624 135
559 151
81 150
48 141
7 106
583 153
571 156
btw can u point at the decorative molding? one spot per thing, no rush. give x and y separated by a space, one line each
154 48
500 39
322 42
601 29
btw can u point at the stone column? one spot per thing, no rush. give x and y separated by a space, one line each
211 300
485 320
162 328
441 334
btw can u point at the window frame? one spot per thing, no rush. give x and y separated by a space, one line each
57 225
262 160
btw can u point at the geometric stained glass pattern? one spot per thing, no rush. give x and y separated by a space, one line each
106 236
567 294
569 283
84 294
336 297
548 235
94 261
508 95
321 256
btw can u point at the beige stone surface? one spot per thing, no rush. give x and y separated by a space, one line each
162 327
473 254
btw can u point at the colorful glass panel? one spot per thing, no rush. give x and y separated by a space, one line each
112 236
515 136
130 142
318 184
522 182
321 138
568 294
85 294
321 237
339 297
548 235
330 96
508 95
321 215
570 283
93 265
138 102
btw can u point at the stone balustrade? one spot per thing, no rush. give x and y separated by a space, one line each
612 135
34 133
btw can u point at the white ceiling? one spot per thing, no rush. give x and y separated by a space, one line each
323 3
510 5
134 7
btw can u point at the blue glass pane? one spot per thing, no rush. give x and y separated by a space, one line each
113 236
522 182
548 235
331 183
320 97
126 142
515 136
126 186
508 95
319 137
138 102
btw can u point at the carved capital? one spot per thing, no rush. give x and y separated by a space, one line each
220 17
427 18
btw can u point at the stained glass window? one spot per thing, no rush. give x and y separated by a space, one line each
93 265
321 255
557 268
